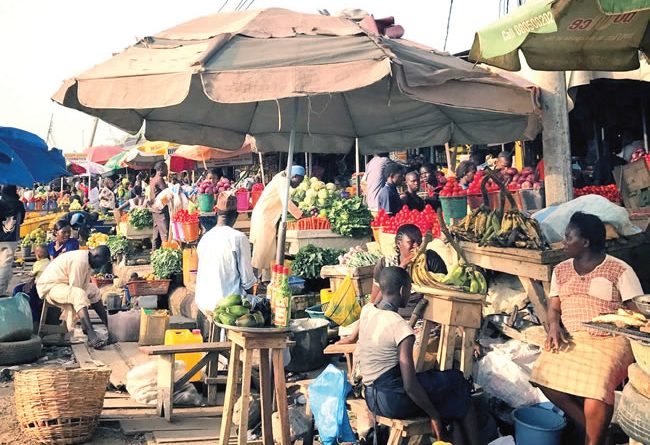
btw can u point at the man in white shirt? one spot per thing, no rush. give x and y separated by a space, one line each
224 259
65 283
93 195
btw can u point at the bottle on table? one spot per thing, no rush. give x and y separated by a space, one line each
282 311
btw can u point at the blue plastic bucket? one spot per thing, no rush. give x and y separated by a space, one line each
537 426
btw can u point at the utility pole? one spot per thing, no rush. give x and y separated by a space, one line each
558 183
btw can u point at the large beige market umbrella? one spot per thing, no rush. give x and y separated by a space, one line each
298 81
215 79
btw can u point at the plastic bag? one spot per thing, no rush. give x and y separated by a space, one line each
554 220
343 307
15 318
504 373
327 401
142 381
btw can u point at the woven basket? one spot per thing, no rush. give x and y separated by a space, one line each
58 406
148 287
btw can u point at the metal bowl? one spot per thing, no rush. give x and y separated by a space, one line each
643 303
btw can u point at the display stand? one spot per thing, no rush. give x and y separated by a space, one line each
455 312
271 344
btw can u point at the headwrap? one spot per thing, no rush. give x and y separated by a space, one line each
297 170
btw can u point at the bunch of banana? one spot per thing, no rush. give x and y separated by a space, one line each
473 226
518 230
460 276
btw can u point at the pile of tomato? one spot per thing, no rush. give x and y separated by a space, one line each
183 216
475 186
452 189
426 220
607 191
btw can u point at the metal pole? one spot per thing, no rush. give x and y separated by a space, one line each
645 127
262 168
282 234
357 160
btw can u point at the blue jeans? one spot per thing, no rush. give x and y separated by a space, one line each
448 390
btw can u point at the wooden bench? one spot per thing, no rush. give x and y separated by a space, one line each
166 359
399 428
348 351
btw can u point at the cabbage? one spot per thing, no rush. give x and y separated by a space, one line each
304 186
313 179
311 193
323 194
321 202
330 186
309 200
317 185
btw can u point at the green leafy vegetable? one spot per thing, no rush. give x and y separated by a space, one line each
310 259
118 245
166 262
141 218
350 217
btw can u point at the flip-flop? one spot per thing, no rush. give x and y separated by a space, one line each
111 341
97 344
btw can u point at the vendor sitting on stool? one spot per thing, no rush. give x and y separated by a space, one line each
65 283
392 388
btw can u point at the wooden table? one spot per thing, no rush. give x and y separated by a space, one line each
534 268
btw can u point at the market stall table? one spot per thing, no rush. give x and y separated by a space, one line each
534 268
297 239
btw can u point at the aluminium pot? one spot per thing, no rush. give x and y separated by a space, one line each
310 335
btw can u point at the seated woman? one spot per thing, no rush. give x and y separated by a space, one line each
407 243
137 202
62 241
579 372
385 356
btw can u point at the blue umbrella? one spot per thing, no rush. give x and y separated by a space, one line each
27 159
12 169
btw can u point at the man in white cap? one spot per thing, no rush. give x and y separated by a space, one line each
266 215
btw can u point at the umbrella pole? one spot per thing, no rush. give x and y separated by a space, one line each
282 234
262 168
357 160
645 128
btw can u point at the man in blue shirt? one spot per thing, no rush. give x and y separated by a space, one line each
389 198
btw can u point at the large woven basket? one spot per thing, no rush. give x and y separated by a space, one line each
59 406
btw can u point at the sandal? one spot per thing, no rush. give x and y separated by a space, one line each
97 343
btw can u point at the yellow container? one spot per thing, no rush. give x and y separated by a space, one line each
186 337
190 264
325 295
153 324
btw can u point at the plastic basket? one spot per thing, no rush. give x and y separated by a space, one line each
206 202
318 311
454 207
148 287
242 201
190 232
474 201
255 196
100 282
60 406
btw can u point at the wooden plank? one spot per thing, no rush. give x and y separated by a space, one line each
537 296
139 426
178 349
117 414
132 354
165 399
245 395
281 395
421 347
110 355
231 391
211 434
530 255
266 396
340 349
83 357
511 265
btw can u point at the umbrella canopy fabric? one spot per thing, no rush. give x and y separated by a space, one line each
214 79
26 159
86 167
102 153
203 153
140 159
562 35
115 162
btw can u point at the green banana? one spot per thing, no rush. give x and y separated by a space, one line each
482 288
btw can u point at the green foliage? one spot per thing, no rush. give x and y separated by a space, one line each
350 217
166 262
310 259
141 218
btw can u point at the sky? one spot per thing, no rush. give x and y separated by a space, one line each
46 41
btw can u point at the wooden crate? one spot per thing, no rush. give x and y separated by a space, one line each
362 277
297 239
131 232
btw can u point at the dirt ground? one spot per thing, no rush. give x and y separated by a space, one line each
11 434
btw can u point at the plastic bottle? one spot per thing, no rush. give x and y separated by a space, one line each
282 312
185 337
273 284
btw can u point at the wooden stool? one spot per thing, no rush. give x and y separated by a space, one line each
453 312
50 329
271 346
166 360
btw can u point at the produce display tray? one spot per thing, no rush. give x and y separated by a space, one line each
253 330
610 328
